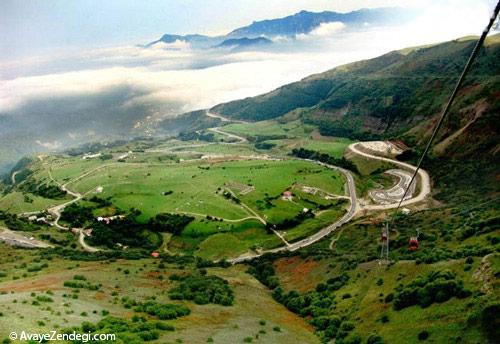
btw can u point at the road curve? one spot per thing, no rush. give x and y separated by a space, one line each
13 177
240 139
81 240
425 180
223 119
351 212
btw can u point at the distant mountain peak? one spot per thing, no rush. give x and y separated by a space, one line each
302 22
244 42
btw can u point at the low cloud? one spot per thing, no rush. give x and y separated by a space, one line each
77 96
324 30
49 145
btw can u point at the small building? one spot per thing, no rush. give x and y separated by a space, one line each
99 189
287 196
155 254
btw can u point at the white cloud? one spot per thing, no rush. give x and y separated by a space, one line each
49 145
328 29
176 73
323 31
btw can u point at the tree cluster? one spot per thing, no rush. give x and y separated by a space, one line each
325 158
203 289
435 287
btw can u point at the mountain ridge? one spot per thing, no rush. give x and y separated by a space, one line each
388 95
302 22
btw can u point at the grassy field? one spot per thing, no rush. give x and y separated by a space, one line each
266 128
139 280
141 186
294 135
168 177
19 202
222 228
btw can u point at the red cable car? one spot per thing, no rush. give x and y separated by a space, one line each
413 244
384 236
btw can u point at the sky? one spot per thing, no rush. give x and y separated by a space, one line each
38 26
69 69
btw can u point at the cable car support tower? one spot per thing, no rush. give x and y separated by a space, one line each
413 244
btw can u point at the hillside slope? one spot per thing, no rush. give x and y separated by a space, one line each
392 94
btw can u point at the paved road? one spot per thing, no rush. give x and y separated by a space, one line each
13 177
224 119
351 212
350 189
394 193
240 139
425 180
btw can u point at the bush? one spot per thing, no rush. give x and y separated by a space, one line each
489 321
81 285
374 339
203 289
438 286
162 311
172 223
423 335
325 158
126 331
43 298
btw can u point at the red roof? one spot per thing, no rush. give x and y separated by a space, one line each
155 254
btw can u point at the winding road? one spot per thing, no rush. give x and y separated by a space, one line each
353 208
352 211
13 177
423 177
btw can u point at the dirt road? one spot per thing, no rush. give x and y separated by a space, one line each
16 239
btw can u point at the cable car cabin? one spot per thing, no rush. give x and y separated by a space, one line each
384 236
413 244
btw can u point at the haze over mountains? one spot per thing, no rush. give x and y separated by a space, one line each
54 102
295 26
391 94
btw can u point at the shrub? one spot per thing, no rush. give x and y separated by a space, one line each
43 298
374 339
173 223
203 289
438 286
162 311
489 321
423 335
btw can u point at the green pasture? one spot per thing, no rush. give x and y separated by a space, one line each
194 185
265 128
